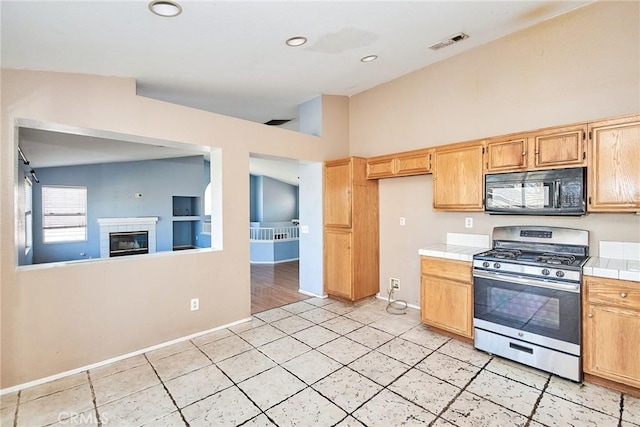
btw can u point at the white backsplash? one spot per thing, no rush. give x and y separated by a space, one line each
474 240
620 250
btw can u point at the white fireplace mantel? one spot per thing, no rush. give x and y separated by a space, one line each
128 221
115 225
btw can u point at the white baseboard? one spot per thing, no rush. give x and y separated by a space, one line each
387 299
311 294
115 359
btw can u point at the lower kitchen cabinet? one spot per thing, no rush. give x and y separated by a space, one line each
611 329
446 298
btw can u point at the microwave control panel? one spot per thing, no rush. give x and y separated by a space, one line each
571 195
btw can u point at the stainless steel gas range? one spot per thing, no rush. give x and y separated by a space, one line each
527 297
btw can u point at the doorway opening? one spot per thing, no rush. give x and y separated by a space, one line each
279 232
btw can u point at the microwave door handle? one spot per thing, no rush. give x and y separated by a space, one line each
556 194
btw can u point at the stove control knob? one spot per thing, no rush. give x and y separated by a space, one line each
546 271
496 265
560 273
485 264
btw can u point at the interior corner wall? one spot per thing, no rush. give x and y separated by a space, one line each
310 116
577 67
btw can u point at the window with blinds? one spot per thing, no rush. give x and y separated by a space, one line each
64 214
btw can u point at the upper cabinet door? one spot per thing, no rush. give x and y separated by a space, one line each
561 147
458 179
381 167
338 193
509 155
414 163
614 169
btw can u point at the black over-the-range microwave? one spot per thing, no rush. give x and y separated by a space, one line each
546 192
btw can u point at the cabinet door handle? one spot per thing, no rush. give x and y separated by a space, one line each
524 153
623 295
590 315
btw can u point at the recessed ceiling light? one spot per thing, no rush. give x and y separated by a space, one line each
166 8
296 41
369 58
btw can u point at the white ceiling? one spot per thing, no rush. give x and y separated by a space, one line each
229 57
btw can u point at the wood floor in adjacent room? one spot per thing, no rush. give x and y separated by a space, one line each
274 285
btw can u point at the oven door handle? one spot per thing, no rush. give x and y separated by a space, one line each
571 287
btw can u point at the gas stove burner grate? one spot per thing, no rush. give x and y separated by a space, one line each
549 258
504 253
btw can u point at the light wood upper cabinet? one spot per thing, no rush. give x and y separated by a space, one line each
559 147
508 155
611 329
381 167
414 163
544 149
338 187
614 171
458 177
351 239
417 162
446 295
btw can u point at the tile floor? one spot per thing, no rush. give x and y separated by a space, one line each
319 362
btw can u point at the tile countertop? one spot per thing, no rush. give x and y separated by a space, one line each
617 260
442 250
460 246
613 268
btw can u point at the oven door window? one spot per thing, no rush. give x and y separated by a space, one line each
543 311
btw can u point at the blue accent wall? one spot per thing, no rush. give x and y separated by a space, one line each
272 200
110 193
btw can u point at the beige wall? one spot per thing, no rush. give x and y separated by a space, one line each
577 67
58 318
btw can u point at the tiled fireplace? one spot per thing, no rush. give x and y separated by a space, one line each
109 226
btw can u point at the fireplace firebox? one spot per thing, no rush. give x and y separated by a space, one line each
128 243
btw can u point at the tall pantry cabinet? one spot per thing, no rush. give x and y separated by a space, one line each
351 251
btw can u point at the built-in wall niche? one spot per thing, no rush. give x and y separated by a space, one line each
187 221
187 206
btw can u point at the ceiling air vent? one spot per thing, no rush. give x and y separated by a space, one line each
277 122
448 42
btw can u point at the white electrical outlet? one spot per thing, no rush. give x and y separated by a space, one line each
195 304
402 221
468 222
394 284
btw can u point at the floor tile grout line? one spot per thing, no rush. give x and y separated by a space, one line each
234 384
621 409
93 398
581 404
448 405
537 402
168 392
